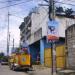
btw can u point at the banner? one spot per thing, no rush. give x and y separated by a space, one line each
52 31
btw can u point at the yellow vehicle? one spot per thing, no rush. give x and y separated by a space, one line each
20 60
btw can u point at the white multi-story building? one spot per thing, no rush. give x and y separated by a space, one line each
37 40
25 30
40 23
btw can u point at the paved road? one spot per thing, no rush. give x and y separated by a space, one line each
4 70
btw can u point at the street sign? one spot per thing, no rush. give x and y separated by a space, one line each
52 31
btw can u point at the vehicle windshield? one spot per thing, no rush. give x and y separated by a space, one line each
24 50
4 60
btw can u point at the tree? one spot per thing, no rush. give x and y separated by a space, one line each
1 55
68 11
59 9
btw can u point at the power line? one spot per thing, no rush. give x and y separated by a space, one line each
5 1
15 4
14 12
70 1
32 0
64 3
17 16
60 3
8 1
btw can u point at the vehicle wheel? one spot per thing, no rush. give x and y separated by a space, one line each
14 68
11 66
27 69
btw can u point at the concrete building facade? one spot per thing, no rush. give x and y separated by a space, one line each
37 41
25 30
39 30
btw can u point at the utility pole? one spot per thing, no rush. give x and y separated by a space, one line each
13 43
51 14
53 47
51 10
8 35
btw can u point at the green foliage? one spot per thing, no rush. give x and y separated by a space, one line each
1 55
59 9
68 11
4 58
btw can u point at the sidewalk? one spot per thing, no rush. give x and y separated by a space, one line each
39 67
41 70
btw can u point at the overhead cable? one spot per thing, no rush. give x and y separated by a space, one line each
15 4
8 1
65 3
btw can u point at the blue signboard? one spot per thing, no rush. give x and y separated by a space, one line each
52 31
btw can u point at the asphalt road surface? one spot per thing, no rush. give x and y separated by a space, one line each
4 70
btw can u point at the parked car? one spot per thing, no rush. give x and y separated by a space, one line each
4 61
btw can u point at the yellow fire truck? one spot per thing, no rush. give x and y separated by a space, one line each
20 60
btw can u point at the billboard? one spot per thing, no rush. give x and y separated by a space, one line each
52 31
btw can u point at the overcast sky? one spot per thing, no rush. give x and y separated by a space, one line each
17 13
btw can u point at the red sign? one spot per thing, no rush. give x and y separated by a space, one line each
24 49
52 37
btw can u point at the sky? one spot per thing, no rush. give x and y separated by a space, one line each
17 12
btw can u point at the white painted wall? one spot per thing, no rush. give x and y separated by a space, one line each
39 20
63 24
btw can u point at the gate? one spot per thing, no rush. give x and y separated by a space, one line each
60 57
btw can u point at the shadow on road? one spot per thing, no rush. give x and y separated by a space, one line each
28 72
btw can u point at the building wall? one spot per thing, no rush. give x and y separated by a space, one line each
42 51
40 20
70 43
63 24
22 32
34 51
25 30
